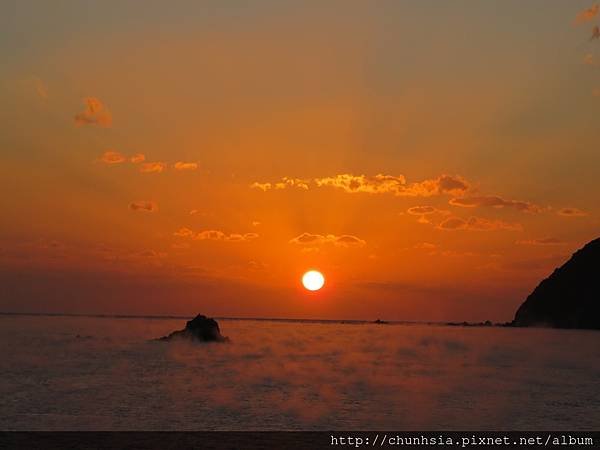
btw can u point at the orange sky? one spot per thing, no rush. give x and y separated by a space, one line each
434 162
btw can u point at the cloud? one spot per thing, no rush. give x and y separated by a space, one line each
377 184
95 113
424 211
572 212
215 235
542 241
241 237
184 232
495 202
143 206
586 15
444 184
396 185
596 92
285 182
595 33
360 183
425 246
345 240
421 210
292 182
152 167
221 236
477 224
112 157
180 165
137 158
262 186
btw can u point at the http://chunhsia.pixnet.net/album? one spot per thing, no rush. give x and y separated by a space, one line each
298 224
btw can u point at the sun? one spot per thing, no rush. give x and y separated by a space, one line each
313 280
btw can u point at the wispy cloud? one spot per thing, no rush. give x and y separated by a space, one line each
143 205
94 113
180 165
478 224
542 241
345 240
425 246
495 202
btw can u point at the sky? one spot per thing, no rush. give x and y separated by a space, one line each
433 160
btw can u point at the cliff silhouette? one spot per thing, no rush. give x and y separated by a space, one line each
570 297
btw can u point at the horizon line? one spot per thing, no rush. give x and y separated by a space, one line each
272 319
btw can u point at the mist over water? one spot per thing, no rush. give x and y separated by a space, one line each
78 373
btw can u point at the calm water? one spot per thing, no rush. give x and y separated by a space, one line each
290 375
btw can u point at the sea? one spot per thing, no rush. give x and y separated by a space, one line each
108 373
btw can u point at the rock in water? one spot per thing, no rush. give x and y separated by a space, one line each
570 297
201 329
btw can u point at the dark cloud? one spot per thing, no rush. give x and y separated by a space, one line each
345 240
477 224
572 212
396 185
143 205
495 202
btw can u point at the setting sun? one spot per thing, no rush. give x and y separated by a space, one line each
313 280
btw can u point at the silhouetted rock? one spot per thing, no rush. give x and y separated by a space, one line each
570 297
487 323
201 329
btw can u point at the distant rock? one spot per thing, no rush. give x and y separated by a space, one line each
380 322
487 323
199 329
570 297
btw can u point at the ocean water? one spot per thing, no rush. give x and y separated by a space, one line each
78 373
